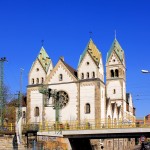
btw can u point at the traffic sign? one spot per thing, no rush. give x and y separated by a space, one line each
142 138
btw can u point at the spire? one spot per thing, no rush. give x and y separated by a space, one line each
44 59
117 48
93 50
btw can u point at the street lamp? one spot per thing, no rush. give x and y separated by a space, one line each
145 71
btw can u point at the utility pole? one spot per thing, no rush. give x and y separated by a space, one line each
2 60
20 97
19 112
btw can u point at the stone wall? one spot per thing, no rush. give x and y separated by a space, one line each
6 143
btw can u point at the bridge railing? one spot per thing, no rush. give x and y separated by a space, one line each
6 129
92 125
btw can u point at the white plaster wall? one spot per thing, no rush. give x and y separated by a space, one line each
36 101
69 112
101 70
87 95
102 105
124 96
36 74
114 85
84 68
66 76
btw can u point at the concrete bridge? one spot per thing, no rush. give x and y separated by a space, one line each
100 133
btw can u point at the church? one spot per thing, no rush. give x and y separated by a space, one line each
84 96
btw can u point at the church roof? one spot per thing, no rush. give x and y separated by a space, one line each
72 70
117 48
44 59
93 51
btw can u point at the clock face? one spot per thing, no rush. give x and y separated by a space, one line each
63 99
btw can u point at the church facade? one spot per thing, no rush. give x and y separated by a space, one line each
84 95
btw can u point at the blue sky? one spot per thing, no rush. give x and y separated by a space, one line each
65 25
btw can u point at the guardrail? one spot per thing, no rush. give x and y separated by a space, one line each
49 126
7 129
72 125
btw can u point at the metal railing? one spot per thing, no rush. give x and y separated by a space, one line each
75 125
7 129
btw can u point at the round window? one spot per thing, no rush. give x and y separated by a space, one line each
63 99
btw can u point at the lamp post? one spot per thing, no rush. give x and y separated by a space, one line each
145 71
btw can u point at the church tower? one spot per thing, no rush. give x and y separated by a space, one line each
40 68
92 87
91 56
116 78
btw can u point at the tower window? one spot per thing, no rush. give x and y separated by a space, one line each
42 80
36 111
93 74
87 63
87 75
32 81
114 91
37 69
82 75
112 73
116 73
87 108
37 80
60 77
23 114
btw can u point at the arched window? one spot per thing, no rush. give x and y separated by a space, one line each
37 80
23 114
42 80
112 73
114 91
82 75
116 73
87 75
87 108
32 81
93 74
36 111
60 77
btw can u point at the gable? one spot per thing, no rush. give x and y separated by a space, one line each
36 71
113 59
87 59
60 69
93 51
